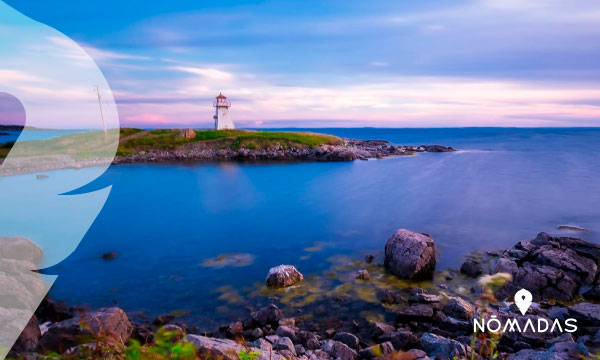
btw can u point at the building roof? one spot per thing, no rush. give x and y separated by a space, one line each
221 96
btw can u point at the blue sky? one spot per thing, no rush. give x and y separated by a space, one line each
343 63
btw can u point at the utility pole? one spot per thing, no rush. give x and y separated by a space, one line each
97 89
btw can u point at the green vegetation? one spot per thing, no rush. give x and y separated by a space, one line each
167 345
489 343
249 355
97 144
135 140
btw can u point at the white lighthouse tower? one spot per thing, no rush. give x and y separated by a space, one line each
222 117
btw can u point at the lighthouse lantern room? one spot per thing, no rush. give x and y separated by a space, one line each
222 117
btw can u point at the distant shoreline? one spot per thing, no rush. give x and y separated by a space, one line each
165 145
236 145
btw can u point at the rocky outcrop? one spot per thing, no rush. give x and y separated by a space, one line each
549 267
283 276
410 255
351 149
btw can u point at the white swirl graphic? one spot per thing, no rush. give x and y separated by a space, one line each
60 87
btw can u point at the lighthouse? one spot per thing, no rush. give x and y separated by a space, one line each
222 118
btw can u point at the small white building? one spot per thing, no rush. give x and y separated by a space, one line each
222 116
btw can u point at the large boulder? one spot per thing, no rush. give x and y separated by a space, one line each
283 276
410 255
111 324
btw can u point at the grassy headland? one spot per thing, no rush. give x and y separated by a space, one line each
136 140
133 141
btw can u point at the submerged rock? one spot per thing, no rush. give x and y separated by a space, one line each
572 228
230 259
109 255
410 255
283 276
362 274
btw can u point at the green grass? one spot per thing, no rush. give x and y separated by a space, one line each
220 139
132 141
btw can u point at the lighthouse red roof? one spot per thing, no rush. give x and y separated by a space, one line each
221 96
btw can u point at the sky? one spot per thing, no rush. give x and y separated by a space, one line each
350 63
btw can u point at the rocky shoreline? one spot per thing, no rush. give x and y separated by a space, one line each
562 273
349 150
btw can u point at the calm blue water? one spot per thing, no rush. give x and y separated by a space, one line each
32 135
164 220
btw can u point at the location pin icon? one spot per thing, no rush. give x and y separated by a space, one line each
523 300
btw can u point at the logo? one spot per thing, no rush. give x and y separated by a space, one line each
523 300
526 323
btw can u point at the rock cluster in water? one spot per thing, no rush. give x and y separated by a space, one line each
428 324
